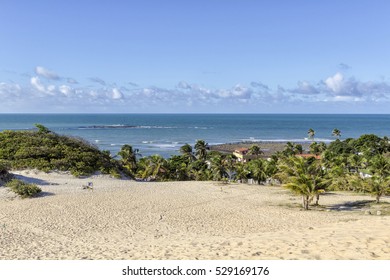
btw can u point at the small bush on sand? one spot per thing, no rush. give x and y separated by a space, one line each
23 189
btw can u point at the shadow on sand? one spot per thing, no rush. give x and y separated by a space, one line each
44 194
32 180
351 206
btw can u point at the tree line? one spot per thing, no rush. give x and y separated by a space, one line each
359 165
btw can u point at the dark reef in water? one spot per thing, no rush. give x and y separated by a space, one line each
107 126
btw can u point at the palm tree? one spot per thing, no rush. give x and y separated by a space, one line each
128 157
257 170
379 186
242 171
311 133
289 149
336 133
354 162
223 166
229 163
152 167
255 150
380 181
201 150
217 167
304 177
178 168
198 170
317 148
187 152
298 149
380 166
270 168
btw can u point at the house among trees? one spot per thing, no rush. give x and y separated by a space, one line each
243 155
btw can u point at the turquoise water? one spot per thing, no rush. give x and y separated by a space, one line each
165 133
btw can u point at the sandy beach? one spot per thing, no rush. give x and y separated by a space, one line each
124 219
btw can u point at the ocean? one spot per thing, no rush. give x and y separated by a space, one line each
164 134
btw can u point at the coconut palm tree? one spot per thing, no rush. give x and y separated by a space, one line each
242 171
198 170
292 149
298 149
178 168
311 133
258 170
289 149
379 186
304 177
186 151
255 150
152 167
229 163
217 167
128 157
380 166
270 168
336 133
317 148
201 148
354 162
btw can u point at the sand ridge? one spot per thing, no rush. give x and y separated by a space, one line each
124 219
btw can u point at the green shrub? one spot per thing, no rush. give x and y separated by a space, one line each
46 151
23 189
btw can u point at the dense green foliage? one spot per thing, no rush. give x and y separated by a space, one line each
305 177
4 174
358 165
47 151
23 189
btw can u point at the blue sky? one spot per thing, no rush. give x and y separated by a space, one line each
225 56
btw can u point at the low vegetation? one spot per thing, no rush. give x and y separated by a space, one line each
45 150
23 189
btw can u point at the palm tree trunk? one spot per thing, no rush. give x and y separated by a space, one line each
317 198
305 202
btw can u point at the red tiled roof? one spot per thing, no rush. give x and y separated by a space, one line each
308 156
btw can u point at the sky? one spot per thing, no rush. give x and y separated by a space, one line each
204 56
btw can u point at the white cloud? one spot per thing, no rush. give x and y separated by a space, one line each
36 83
39 70
239 92
10 89
65 90
51 88
117 94
343 98
335 83
305 88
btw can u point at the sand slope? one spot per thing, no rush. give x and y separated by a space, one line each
122 219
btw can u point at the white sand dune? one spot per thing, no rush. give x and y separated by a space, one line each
122 219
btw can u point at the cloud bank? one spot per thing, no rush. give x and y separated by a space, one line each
49 92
